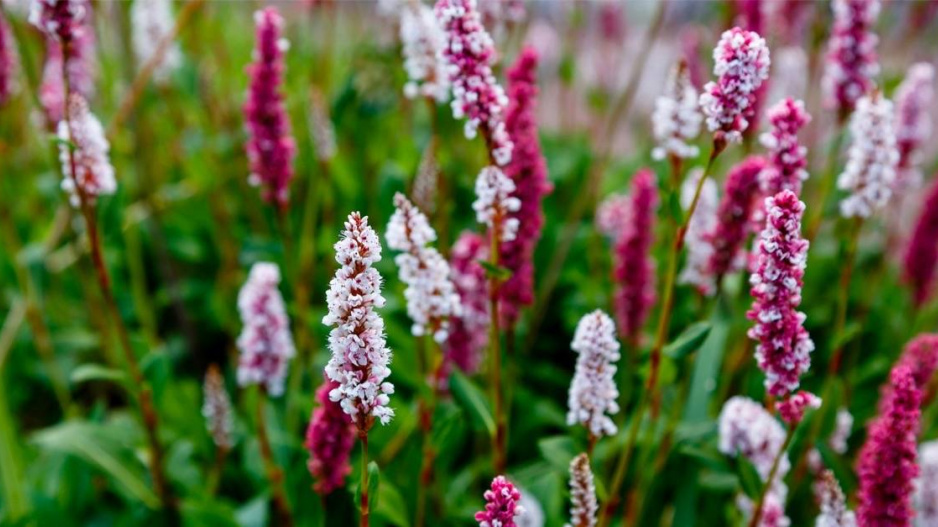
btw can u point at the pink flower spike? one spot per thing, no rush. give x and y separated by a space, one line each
612 214
7 60
270 147
67 25
87 166
887 464
501 505
792 410
788 158
265 342
851 54
834 511
633 271
216 409
783 349
329 440
496 204
423 43
477 96
921 255
870 170
583 505
468 334
926 487
696 269
921 357
593 393
676 118
741 64
528 171
739 201
913 124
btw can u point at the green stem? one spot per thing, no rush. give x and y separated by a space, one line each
757 512
498 440
363 506
282 514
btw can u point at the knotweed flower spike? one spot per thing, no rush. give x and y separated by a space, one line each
70 40
423 42
431 296
926 486
495 203
477 96
528 171
83 152
871 161
783 349
834 511
468 334
740 195
593 393
913 124
360 356
887 467
634 268
921 255
7 60
792 410
676 119
741 64
787 157
851 54
501 505
265 342
152 22
270 147
921 357
216 409
612 214
583 505
329 440
696 269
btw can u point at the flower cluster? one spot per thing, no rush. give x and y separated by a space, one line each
784 348
582 493
70 41
871 161
495 203
265 341
792 410
216 409
7 60
360 356
423 41
834 512
431 296
477 96
270 147
634 268
884 496
913 125
851 54
921 254
734 214
329 440
83 152
528 171
926 486
676 118
921 357
696 269
593 392
612 215
152 22
468 334
501 505
787 158
741 64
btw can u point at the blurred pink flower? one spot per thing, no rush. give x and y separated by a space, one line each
851 54
496 203
612 214
926 487
423 43
870 171
913 123
67 25
788 159
834 512
265 342
792 409
8 60
740 199
87 165
696 269
216 409
501 505
676 119
593 394
634 270
329 440
583 505
921 254
468 334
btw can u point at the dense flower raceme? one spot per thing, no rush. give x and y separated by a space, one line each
920 355
477 96
885 496
676 118
921 254
790 21
792 410
468 334
502 507
265 342
913 124
86 166
152 22
634 269
696 269
216 409
593 393
329 439
740 195
528 171
583 505
926 486
423 41
787 157
612 214
741 64
834 512
871 161
7 60
851 54
431 296
783 349
360 356
70 40
495 203
270 147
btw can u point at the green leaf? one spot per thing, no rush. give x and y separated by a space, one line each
96 372
851 331
470 399
707 365
689 340
748 477
495 271
12 483
558 451
374 481
391 506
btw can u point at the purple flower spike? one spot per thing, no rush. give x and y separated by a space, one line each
7 61
501 505
528 170
921 357
67 25
469 331
265 342
634 271
921 255
784 347
792 410
788 158
851 54
270 147
733 217
887 465
329 439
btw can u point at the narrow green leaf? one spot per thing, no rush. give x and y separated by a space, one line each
495 271
11 470
391 506
558 451
850 332
96 372
749 478
470 399
689 340
374 481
